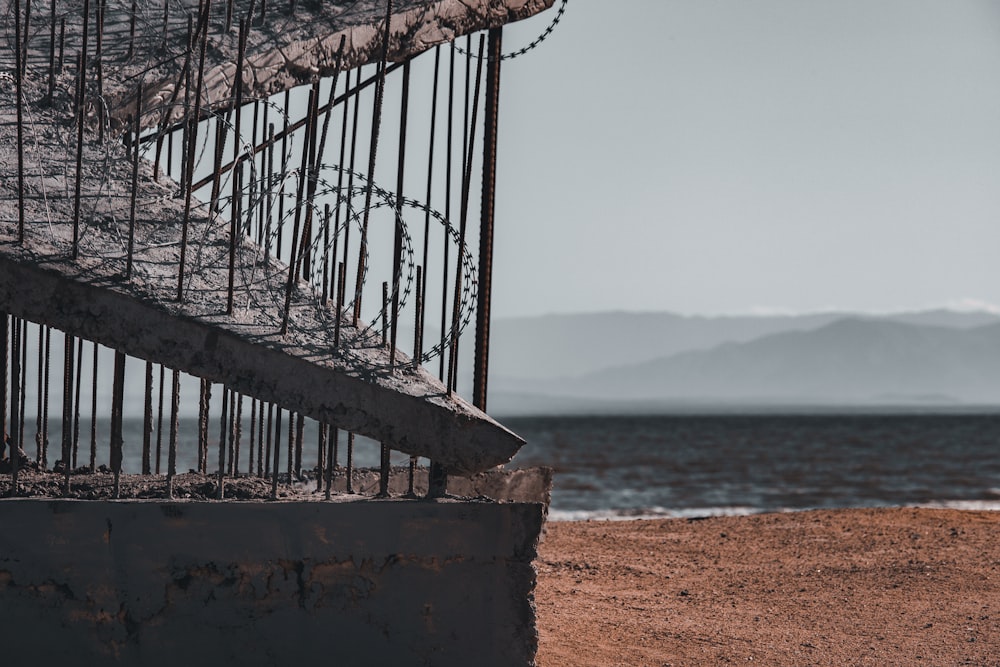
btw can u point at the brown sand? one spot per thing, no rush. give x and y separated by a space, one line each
845 587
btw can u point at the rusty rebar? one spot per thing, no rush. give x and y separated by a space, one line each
253 427
430 182
147 419
260 440
277 455
383 314
15 396
131 29
175 399
270 431
300 420
291 444
350 462
331 456
159 421
397 243
487 210
18 90
449 151
76 400
24 380
384 470
320 455
223 428
40 396
93 411
237 434
372 154
341 276
52 52
45 398
137 128
117 400
67 410
418 331
4 350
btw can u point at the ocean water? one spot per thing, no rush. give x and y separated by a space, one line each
690 466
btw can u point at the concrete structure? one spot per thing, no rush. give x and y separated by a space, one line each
357 583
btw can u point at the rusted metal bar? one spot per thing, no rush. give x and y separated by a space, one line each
237 147
76 400
372 153
291 444
331 457
131 29
80 101
18 90
463 217
449 146
52 51
277 455
384 315
41 395
24 381
147 419
4 368
430 182
253 427
320 455
488 205
418 333
223 428
137 128
384 470
159 422
67 410
93 414
237 435
260 440
350 462
300 420
341 276
410 493
15 397
45 398
397 242
175 399
270 430
117 399
202 424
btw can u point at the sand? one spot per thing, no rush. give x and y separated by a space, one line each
846 587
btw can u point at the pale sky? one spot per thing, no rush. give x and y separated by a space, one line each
735 156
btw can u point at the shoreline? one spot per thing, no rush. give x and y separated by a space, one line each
878 586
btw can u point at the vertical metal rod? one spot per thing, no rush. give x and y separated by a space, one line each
202 423
131 29
147 419
449 146
159 422
284 170
397 243
81 99
41 394
76 400
45 398
26 32
277 455
299 429
488 205
19 80
4 367
237 435
223 418
270 430
99 58
93 411
291 444
237 147
268 200
341 276
166 19
117 400
331 457
62 43
463 217
320 455
67 410
192 143
52 51
373 152
325 286
418 333
384 469
24 380
350 174
384 315
253 427
430 182
292 262
137 128
350 462
175 399
15 410
260 440
410 493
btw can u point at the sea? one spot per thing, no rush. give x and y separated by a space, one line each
624 467
688 466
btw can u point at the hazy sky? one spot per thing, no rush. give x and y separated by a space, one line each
729 156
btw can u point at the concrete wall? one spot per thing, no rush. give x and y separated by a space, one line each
350 583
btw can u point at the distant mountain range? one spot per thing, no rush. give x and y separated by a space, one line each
623 362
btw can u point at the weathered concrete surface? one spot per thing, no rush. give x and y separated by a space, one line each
360 583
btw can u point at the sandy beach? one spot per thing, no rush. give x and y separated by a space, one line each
844 587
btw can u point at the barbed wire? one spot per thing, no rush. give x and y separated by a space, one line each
534 43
